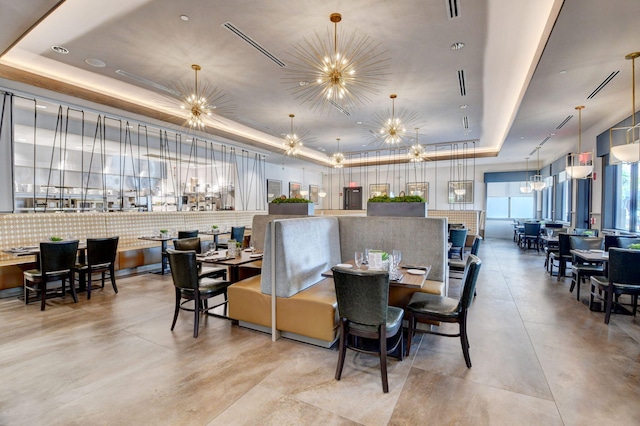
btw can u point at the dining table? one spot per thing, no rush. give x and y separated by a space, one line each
411 276
163 239
232 262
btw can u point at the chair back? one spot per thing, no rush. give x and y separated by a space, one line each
611 241
532 229
458 237
476 245
586 231
102 250
553 225
451 226
586 243
558 231
623 266
469 279
362 296
564 244
184 268
237 233
625 242
57 256
186 244
187 234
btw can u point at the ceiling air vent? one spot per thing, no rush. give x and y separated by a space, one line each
339 108
565 121
465 122
228 25
545 140
147 82
604 83
453 8
462 82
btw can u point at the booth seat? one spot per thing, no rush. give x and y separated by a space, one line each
298 250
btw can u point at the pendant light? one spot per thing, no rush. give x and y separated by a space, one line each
628 152
537 180
525 187
579 165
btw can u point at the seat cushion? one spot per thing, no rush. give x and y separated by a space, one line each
457 264
208 286
422 303
587 269
394 322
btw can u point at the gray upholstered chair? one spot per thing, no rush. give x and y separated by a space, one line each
184 271
363 312
56 260
428 308
623 278
101 258
458 265
195 244
457 238
580 271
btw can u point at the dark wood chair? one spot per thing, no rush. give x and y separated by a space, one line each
429 308
101 258
367 323
562 256
188 286
56 260
457 238
194 243
623 278
187 234
580 270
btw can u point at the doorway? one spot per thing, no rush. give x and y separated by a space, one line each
353 198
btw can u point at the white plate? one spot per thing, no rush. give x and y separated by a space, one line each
597 251
256 255
247 250
416 271
344 265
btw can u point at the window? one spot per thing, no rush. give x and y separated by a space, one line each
622 207
504 201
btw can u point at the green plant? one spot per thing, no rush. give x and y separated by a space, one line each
238 244
56 238
214 227
290 200
164 231
635 246
403 199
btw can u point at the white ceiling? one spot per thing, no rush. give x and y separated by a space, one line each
515 51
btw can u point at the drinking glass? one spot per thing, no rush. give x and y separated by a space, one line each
397 257
212 246
365 261
549 232
359 258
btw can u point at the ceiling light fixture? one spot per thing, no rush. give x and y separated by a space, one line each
628 152
200 101
60 49
95 62
337 159
457 45
537 180
580 164
525 187
292 142
391 128
340 70
416 151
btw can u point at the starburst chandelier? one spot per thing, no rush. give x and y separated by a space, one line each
292 142
336 70
391 127
201 102
337 159
416 151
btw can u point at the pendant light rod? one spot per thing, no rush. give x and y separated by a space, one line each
633 57
580 108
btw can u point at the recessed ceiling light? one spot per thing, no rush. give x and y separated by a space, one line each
41 106
465 106
457 45
95 62
60 49
358 122
304 83
184 17
364 144
563 72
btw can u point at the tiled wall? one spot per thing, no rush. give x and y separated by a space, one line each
471 218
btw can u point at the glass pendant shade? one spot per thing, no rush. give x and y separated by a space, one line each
537 181
525 187
322 193
579 165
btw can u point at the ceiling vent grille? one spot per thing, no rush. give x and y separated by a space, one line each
229 26
565 121
545 140
465 122
462 83
604 83
147 82
453 8
339 108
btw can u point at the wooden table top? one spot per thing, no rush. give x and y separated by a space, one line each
406 280
591 255
222 259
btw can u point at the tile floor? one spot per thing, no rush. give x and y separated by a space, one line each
539 358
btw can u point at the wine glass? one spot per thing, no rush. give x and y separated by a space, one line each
397 256
358 258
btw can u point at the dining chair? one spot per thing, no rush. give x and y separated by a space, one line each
457 238
57 260
581 270
237 234
188 286
429 308
195 244
187 234
531 235
100 258
625 242
562 257
363 312
623 278
459 265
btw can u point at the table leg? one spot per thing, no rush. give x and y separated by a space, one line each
164 255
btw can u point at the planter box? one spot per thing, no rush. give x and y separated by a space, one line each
397 209
299 209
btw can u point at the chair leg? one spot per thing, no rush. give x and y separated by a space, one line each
226 303
383 359
72 286
177 309
464 341
112 275
196 310
25 290
607 314
410 320
43 292
89 284
579 279
342 348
